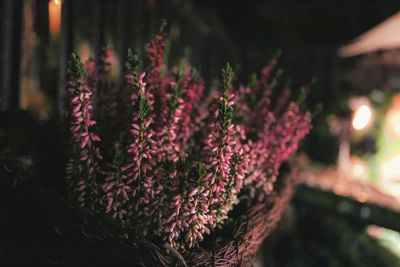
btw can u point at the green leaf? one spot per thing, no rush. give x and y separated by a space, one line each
227 76
133 62
75 67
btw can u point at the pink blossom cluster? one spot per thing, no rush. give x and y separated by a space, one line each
182 165
154 55
279 129
192 90
170 148
143 153
83 167
116 188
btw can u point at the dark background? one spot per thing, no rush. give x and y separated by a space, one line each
210 33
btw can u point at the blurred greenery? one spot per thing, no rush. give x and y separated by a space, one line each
311 238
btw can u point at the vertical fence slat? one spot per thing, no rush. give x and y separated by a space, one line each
99 25
66 48
123 35
10 66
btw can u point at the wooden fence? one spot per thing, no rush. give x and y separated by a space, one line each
28 46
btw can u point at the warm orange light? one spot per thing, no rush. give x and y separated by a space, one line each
358 169
393 117
362 117
55 18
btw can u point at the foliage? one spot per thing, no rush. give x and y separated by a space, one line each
183 158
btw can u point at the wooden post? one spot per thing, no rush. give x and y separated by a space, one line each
99 26
66 48
123 12
12 16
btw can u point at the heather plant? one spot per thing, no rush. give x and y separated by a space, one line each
178 164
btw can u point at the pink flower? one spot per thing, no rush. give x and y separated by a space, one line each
82 169
154 54
184 157
143 153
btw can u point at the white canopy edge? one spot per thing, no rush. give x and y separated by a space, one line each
384 36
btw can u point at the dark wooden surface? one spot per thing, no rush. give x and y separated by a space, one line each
362 213
11 31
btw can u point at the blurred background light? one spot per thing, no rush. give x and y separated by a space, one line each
362 117
54 18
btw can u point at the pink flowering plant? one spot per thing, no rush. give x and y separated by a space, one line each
177 163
